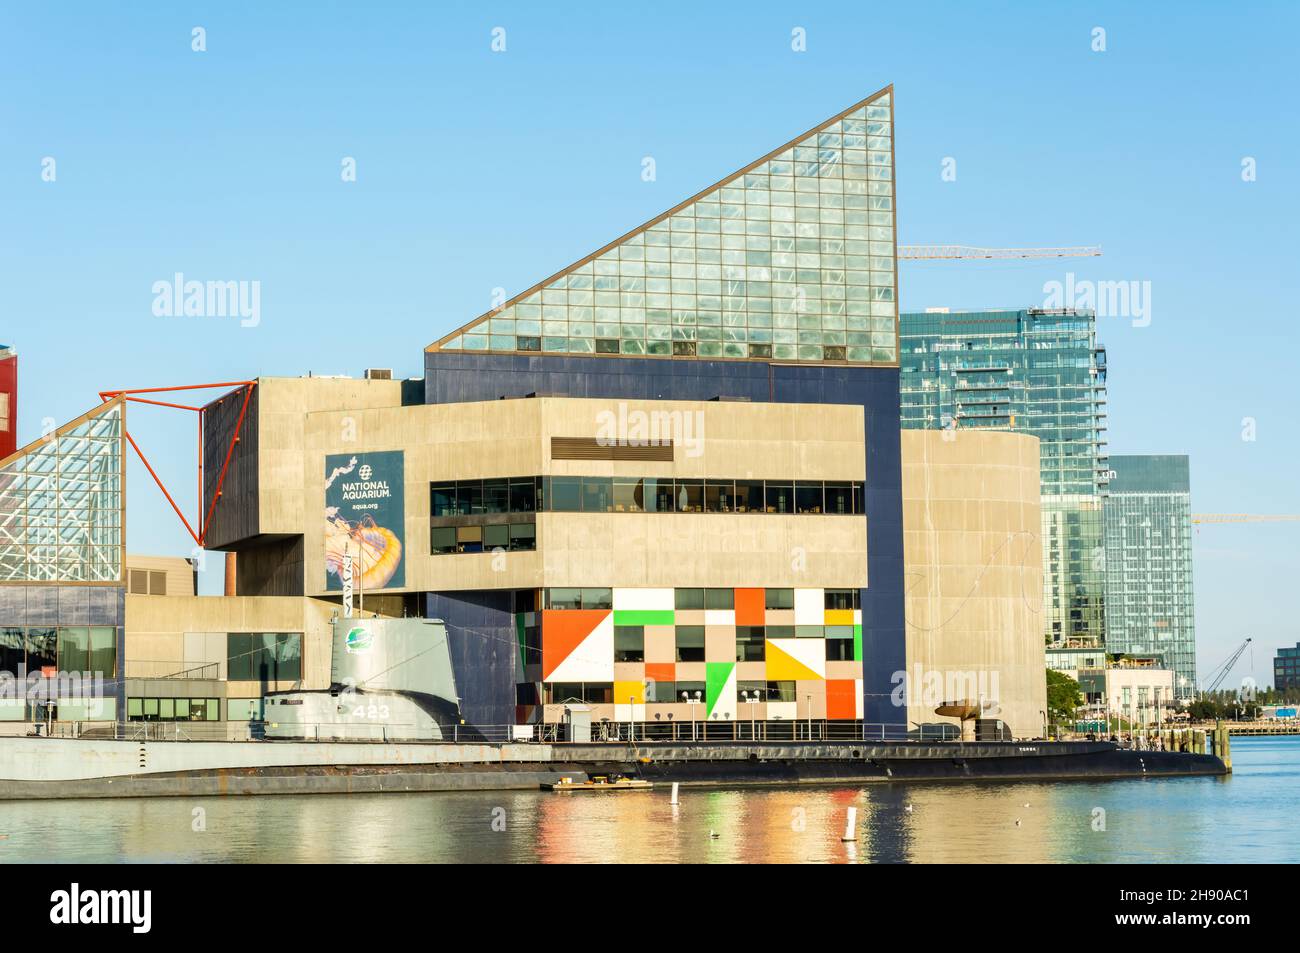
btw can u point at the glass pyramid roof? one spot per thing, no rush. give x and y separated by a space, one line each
791 259
61 503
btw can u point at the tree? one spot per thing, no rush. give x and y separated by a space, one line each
1062 695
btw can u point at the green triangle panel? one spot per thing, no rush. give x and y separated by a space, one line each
716 675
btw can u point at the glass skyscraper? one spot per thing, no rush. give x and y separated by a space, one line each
1038 372
1149 606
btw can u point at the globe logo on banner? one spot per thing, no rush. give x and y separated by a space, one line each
366 471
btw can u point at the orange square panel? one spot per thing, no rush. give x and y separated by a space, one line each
749 606
841 699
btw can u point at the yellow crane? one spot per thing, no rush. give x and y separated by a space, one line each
1245 518
949 252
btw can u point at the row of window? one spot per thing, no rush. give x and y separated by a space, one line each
59 649
682 693
487 538
643 495
694 599
264 656
173 709
629 641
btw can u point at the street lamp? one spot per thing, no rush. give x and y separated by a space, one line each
686 697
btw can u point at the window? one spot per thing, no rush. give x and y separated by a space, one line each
627 495
780 498
808 497
751 693
565 494
442 499
442 539
749 496
663 495
781 692
564 598
809 631
496 496
839 643
719 496
469 539
523 536
596 494
12 652
523 495
688 598
496 536
469 497
719 598
690 643
629 643
839 498
41 648
843 599
749 643
590 693
695 693
598 598
74 649
264 656
690 496
778 599
660 692
176 709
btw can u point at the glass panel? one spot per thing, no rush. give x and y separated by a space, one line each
808 498
749 496
778 599
565 495
629 643
719 598
596 493
442 499
598 598
690 643
839 498
496 496
790 241
689 495
719 496
523 536
688 598
42 645
443 539
103 651
523 495
628 496
496 536
780 497
564 598
60 506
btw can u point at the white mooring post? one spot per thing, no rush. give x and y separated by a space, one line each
850 826
674 800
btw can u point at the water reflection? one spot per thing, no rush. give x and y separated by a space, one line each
1245 818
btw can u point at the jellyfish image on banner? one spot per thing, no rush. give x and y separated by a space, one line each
364 515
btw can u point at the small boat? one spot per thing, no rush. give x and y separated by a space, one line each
599 782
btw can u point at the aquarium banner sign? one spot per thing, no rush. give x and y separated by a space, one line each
365 513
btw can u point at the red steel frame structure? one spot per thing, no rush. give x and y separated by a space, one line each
204 517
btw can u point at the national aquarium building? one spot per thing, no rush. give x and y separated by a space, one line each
663 482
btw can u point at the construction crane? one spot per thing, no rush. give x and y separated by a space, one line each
1245 518
949 252
1219 674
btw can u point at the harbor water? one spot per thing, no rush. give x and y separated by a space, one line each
1244 818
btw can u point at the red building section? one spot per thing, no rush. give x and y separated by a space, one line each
8 401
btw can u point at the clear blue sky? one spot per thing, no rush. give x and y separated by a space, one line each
478 169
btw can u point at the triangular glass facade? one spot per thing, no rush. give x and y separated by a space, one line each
61 504
791 259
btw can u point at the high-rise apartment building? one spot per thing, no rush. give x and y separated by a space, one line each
1148 519
1038 372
